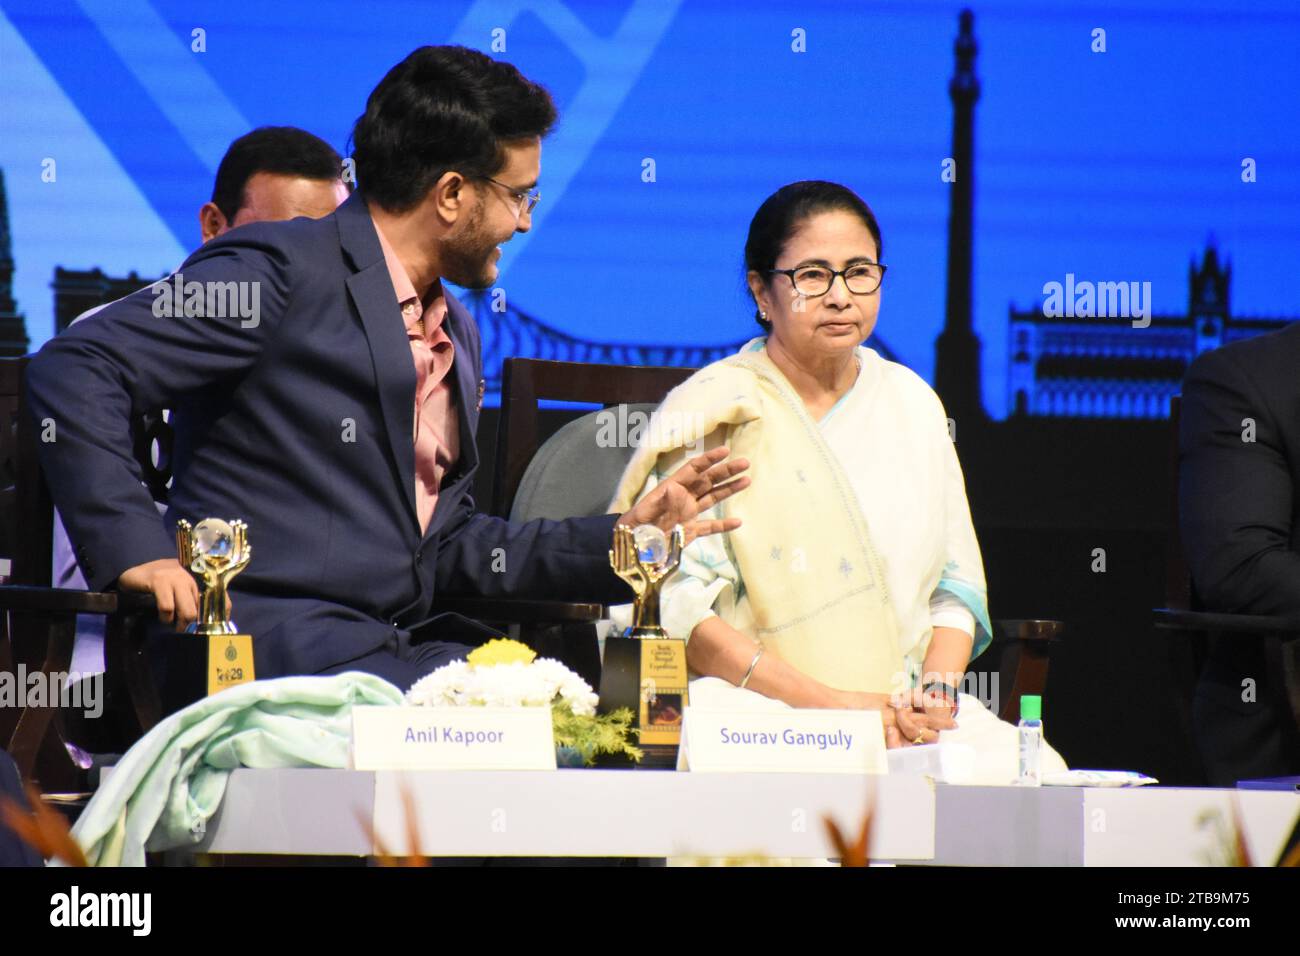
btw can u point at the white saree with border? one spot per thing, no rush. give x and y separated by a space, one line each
857 538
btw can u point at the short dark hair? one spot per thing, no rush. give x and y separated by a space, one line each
783 212
284 150
443 108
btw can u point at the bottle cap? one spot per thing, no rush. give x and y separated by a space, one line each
1031 707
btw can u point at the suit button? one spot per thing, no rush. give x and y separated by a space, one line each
419 559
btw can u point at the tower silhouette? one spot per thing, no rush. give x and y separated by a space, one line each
13 327
957 349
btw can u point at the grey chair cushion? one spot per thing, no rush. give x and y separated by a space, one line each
572 475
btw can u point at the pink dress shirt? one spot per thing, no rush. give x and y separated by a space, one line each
437 432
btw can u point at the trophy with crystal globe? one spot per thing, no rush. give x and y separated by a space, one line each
214 551
645 669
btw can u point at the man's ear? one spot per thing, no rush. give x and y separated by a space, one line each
212 221
451 196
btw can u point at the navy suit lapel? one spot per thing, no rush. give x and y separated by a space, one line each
376 301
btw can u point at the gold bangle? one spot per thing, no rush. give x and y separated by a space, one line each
750 673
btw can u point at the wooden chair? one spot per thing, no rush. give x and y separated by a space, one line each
38 622
1020 650
526 384
1190 627
1020 654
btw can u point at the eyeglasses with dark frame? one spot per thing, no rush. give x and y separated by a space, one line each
861 278
527 201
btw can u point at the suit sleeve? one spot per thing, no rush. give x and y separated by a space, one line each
546 560
1235 495
86 386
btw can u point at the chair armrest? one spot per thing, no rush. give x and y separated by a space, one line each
56 600
1027 629
14 597
1173 619
518 611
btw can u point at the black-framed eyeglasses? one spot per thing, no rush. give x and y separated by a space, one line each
861 278
525 201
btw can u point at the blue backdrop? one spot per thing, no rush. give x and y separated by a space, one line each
1111 165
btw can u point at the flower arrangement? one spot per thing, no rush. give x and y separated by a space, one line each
505 673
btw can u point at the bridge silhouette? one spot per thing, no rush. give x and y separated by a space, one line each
509 332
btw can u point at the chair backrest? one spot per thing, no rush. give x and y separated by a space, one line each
526 382
575 471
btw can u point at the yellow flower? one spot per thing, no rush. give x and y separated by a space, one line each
501 651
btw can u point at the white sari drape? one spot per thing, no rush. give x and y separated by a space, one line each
892 439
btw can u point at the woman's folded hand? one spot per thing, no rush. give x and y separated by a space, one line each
915 726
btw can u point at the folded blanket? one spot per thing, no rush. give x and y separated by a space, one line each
170 783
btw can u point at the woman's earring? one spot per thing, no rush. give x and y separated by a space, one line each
762 316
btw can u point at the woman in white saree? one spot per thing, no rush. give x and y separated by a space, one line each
855 580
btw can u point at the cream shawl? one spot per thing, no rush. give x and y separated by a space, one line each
824 607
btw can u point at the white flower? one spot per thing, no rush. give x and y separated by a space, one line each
540 684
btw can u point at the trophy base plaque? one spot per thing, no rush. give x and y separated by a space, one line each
199 665
230 661
648 676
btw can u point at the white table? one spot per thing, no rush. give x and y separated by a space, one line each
614 813
611 813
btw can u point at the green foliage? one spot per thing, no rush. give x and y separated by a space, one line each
592 736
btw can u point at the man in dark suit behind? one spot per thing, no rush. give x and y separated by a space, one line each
325 390
1239 509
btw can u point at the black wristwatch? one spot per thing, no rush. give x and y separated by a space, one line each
946 691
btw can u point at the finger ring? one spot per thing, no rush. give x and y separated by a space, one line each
920 737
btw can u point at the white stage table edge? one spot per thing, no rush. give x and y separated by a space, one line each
614 813
1101 826
595 813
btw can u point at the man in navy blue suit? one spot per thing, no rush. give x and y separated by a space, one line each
1239 511
325 390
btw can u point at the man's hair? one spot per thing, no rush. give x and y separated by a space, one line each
441 109
284 150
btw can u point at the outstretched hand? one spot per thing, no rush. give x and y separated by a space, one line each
696 486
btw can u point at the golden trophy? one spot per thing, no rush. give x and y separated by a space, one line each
214 551
645 669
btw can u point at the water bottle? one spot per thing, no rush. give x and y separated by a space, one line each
1031 741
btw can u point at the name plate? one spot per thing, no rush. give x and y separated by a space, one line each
786 741
452 738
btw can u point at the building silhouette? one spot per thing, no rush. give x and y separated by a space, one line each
77 290
1104 367
13 326
1064 366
